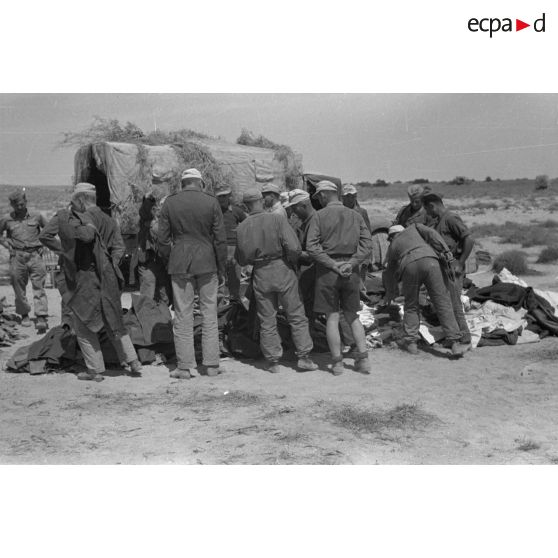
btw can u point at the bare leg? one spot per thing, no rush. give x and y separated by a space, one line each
332 334
358 331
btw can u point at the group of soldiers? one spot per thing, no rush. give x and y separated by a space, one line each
195 245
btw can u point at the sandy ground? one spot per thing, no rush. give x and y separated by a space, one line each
497 405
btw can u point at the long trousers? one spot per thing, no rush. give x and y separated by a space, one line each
455 288
66 313
154 281
25 266
427 272
276 283
184 287
91 346
233 275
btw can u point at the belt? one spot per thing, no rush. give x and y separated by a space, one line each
340 257
265 261
28 250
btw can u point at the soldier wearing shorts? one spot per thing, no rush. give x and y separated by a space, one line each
339 242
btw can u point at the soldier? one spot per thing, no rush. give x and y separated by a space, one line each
267 241
413 258
154 279
457 236
192 231
350 201
301 207
414 211
91 247
339 241
272 199
22 230
232 217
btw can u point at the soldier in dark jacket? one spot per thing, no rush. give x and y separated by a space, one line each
192 233
91 247
232 217
154 279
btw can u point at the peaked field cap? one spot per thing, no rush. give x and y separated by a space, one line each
432 198
17 196
349 189
82 187
418 190
395 229
324 186
297 196
252 195
224 192
191 173
271 188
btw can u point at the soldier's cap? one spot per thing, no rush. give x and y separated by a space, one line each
418 190
349 190
431 198
395 229
17 196
324 186
82 187
251 196
224 192
271 188
297 196
191 173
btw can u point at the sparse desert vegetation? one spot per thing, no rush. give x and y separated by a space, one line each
513 260
548 255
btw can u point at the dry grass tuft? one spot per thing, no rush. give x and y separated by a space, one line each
405 416
527 445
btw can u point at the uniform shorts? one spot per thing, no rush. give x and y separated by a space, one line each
334 293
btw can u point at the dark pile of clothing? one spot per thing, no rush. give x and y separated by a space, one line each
150 327
149 324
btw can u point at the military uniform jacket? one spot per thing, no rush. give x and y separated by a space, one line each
192 230
414 243
337 231
407 217
90 257
24 233
453 230
263 237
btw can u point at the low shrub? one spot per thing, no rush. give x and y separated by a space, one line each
548 255
514 261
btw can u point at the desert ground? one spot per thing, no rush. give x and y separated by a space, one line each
497 405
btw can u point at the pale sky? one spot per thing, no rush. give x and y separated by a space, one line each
354 137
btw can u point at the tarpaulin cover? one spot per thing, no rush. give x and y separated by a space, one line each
121 163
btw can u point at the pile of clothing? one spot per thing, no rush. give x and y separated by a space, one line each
9 332
149 324
515 314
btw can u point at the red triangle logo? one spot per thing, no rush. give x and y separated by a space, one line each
519 25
